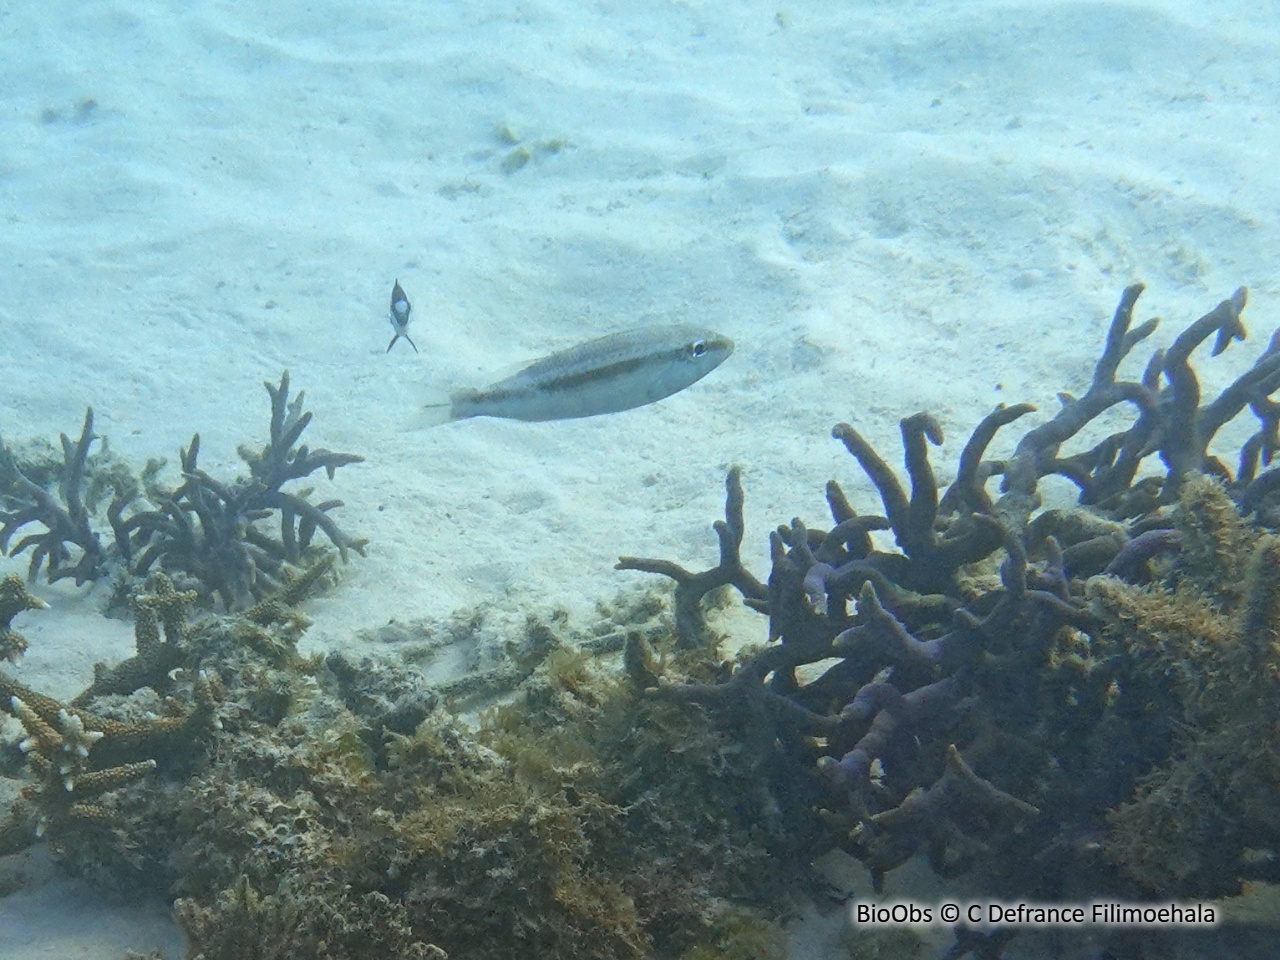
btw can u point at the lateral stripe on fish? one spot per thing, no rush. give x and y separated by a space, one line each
576 378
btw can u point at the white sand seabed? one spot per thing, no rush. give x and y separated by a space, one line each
890 207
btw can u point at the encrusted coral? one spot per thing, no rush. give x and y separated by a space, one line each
1208 632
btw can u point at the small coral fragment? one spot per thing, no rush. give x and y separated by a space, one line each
68 785
14 599
156 604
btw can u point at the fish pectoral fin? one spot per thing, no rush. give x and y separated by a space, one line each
437 407
430 415
659 387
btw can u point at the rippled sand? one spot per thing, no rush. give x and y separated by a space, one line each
889 207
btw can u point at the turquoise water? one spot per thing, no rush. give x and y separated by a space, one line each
889 208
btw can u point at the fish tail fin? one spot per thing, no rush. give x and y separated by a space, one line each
401 335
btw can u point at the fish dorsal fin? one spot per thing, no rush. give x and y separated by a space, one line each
508 370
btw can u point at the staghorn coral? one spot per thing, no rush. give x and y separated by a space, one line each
692 587
156 657
212 534
65 517
1027 697
875 731
211 531
1170 420
14 599
68 788
79 755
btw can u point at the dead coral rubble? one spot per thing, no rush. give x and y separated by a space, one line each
292 814
1030 698
213 534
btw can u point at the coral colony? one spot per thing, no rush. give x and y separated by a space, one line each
1051 704
206 530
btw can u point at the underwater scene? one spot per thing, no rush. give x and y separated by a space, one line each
639 480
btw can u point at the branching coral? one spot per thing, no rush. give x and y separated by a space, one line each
67 786
79 754
65 518
210 532
1170 421
1007 685
692 587
155 657
888 707
14 599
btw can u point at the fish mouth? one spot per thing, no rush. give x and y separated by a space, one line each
718 347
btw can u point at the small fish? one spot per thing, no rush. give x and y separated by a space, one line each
613 373
399 316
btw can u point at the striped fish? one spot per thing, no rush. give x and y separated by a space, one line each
613 373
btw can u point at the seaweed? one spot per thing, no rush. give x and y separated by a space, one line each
1207 632
294 810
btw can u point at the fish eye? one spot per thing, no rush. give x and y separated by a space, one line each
698 349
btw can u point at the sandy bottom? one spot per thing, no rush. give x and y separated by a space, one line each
890 207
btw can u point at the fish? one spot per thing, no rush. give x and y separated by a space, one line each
610 374
399 316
